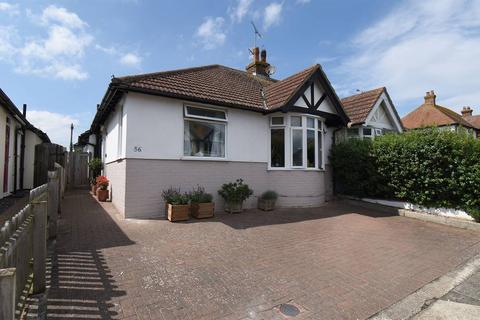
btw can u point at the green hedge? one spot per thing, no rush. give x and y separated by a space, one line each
430 167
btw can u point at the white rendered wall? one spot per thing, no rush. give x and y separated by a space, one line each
31 140
114 135
156 124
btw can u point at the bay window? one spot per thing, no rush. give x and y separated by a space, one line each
296 142
204 132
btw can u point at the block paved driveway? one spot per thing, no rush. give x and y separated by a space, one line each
333 262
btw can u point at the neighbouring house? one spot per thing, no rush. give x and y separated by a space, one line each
371 114
430 114
17 155
86 143
467 114
212 124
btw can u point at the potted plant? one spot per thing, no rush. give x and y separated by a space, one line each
234 194
102 188
95 165
201 203
267 200
176 204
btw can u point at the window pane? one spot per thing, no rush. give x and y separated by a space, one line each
297 148
277 120
319 142
296 121
203 139
367 131
277 148
209 113
311 148
310 123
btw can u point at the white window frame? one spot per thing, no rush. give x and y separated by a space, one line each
319 126
193 116
201 119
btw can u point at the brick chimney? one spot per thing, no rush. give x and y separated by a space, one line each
259 65
430 98
467 112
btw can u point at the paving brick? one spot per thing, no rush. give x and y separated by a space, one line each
336 261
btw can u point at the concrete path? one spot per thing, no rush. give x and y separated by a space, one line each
333 262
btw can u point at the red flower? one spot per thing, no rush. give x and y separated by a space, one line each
102 182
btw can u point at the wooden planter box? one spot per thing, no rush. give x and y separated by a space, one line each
234 207
266 204
102 195
94 189
202 210
178 212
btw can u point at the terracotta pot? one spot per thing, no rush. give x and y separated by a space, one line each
234 207
102 195
266 204
178 212
202 210
94 189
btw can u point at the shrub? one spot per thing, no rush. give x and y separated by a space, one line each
198 195
174 196
95 166
269 195
430 167
235 191
102 182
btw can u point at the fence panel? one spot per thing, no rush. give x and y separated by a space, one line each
22 238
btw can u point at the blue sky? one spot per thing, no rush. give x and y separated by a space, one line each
58 56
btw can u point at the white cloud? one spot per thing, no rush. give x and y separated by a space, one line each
54 14
238 12
131 60
420 46
303 1
11 9
56 125
211 33
58 54
272 14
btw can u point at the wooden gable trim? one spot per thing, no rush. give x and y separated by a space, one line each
312 106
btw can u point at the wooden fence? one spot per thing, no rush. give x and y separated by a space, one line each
23 245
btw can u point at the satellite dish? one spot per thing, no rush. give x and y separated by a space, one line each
271 70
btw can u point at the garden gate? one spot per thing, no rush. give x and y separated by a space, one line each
78 169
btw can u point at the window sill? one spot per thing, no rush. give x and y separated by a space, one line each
203 158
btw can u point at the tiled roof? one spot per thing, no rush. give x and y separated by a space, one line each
220 84
474 120
433 115
359 106
279 93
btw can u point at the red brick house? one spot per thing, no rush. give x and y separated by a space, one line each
431 114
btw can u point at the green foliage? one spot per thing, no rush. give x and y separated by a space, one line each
174 196
355 169
235 191
269 195
95 166
198 195
429 167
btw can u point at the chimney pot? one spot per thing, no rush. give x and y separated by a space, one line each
467 112
264 55
256 52
25 110
430 98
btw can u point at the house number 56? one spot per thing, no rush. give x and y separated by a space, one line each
137 149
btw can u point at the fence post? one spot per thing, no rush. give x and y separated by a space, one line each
52 203
39 209
7 293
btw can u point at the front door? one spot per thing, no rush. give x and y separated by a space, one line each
7 149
